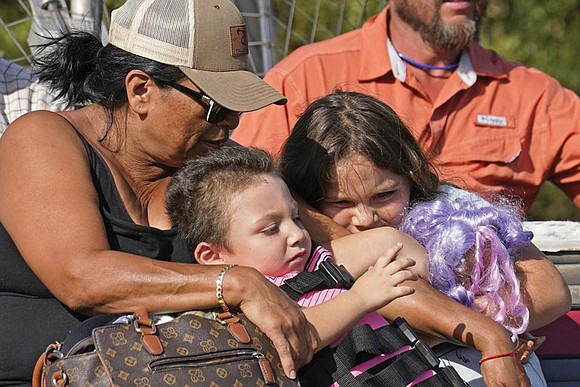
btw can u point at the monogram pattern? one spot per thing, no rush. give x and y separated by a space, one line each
197 351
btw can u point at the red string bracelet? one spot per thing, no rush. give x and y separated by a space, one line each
505 354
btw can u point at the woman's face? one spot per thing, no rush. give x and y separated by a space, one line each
187 134
363 196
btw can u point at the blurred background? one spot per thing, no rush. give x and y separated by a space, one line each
538 33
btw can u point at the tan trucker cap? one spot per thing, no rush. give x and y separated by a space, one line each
206 39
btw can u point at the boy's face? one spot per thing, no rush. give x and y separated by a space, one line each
265 230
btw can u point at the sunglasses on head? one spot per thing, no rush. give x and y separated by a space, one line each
215 111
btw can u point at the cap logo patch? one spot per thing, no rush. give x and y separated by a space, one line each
238 40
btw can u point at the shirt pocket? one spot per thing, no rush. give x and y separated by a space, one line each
489 139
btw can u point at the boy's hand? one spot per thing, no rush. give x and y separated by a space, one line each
379 285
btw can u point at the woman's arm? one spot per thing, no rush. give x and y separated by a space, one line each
50 209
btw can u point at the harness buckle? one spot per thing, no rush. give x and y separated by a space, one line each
337 274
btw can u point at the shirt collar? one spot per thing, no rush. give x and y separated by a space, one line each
399 67
380 59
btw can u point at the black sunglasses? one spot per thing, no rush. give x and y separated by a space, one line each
215 111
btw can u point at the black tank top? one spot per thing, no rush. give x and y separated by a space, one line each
30 316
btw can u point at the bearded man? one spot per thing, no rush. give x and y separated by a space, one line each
490 125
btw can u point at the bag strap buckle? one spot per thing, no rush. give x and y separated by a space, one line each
144 325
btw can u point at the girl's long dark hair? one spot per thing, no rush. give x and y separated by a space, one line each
343 124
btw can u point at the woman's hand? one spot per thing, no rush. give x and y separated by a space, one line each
275 314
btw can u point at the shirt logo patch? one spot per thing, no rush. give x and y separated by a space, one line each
489 120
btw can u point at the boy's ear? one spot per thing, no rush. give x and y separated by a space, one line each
207 254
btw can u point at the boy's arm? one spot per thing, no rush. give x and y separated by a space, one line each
377 287
334 317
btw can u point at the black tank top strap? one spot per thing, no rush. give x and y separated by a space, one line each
103 180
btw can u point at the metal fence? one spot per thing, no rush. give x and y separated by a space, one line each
275 27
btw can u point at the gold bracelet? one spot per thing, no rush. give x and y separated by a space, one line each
219 292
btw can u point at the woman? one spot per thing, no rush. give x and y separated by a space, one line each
357 167
84 229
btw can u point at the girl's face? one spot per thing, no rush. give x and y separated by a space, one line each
363 196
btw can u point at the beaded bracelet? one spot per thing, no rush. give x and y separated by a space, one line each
219 287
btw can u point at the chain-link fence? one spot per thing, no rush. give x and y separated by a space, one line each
275 27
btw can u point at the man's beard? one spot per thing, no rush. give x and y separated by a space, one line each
438 33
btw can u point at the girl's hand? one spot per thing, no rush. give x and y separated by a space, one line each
504 371
528 345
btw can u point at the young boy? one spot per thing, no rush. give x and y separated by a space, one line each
232 208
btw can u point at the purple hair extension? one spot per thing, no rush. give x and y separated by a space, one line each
471 245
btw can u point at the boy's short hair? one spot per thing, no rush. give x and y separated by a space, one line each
198 196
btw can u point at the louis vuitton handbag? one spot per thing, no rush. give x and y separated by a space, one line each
192 349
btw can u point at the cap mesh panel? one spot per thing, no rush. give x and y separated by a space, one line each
172 14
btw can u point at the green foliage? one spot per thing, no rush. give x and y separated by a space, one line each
552 204
313 21
16 15
538 33
18 25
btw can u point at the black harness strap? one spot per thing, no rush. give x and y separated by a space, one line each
406 368
363 343
327 276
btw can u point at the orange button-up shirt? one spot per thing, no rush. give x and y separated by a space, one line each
496 126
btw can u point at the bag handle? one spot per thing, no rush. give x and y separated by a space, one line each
145 325
44 360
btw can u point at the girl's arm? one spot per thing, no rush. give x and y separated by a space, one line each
545 291
359 251
434 314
